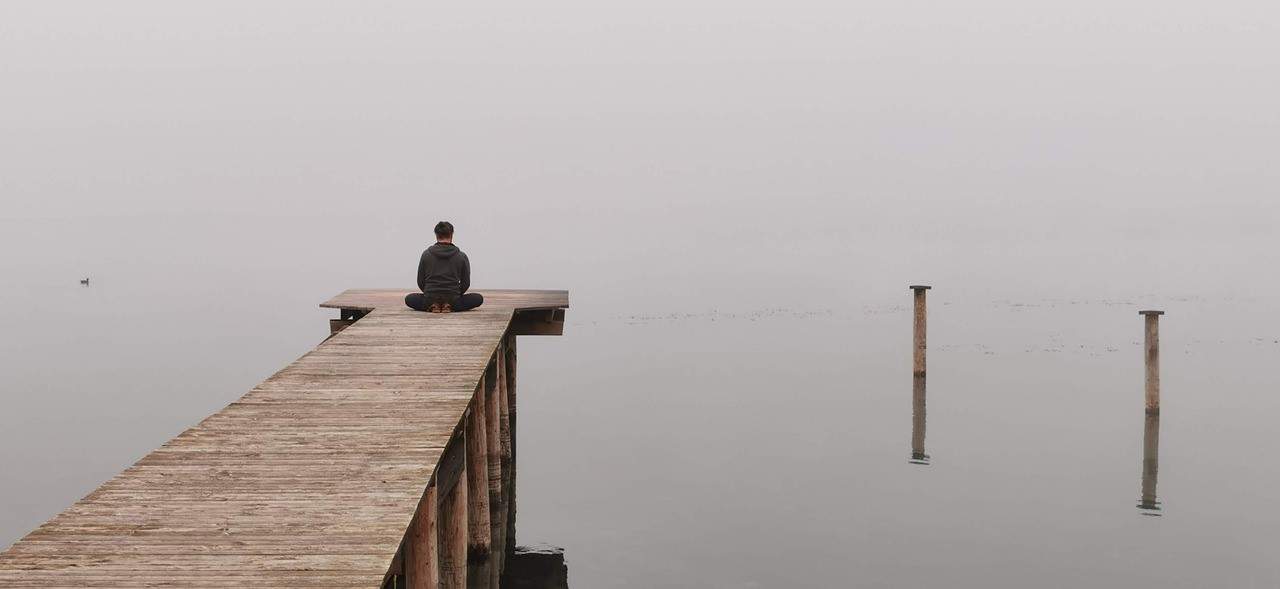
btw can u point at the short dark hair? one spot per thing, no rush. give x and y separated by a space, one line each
444 229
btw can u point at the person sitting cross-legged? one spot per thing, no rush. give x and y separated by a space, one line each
444 275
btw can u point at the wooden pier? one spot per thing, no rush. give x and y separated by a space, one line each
383 457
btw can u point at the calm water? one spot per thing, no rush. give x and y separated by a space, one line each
774 451
729 443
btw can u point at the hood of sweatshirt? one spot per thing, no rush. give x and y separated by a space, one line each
443 251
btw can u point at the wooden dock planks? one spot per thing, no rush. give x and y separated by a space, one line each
312 479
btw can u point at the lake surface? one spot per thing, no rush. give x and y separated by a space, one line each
773 449
731 442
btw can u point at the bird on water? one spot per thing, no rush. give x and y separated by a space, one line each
84 281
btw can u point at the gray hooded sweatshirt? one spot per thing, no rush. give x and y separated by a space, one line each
444 270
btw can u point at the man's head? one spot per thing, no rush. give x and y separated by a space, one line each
444 232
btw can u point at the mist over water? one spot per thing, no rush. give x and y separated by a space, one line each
737 196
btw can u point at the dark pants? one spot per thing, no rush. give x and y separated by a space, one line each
421 302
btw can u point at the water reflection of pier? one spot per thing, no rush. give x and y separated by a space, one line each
1149 503
918 455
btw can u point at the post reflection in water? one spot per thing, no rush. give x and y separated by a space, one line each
1150 504
918 421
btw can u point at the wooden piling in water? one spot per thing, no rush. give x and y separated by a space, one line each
493 451
510 369
502 540
478 524
921 330
421 548
452 533
1152 346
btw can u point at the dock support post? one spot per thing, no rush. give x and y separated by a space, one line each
478 525
493 450
504 453
336 325
422 553
1152 345
510 370
921 330
451 484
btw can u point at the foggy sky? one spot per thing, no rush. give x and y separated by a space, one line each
1106 140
